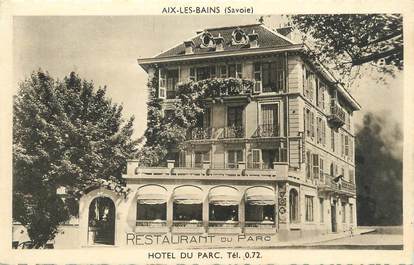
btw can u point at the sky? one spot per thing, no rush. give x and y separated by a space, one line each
105 49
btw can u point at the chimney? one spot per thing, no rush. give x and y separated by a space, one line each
189 47
219 41
253 40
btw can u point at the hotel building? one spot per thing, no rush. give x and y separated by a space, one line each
275 160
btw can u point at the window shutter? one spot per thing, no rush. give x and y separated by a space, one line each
256 158
192 74
162 84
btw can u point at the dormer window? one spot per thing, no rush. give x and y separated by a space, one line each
239 37
206 40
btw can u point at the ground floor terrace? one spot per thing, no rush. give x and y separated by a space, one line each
198 210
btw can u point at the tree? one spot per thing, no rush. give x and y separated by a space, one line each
348 41
65 134
378 154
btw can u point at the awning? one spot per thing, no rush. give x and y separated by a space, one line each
260 196
188 195
224 196
152 194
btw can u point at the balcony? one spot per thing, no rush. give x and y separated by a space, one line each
337 117
328 184
232 132
171 94
200 133
266 130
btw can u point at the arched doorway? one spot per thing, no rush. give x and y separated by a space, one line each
101 223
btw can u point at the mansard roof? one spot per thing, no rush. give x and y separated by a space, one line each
267 38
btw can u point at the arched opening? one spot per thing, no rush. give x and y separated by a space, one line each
260 207
151 206
187 206
224 206
293 206
101 224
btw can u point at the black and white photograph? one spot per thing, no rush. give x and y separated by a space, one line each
248 132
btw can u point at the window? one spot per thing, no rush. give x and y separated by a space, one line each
200 157
321 210
270 120
351 149
346 146
270 156
205 72
271 75
151 212
168 80
351 176
204 120
343 213
323 128
235 70
315 166
309 84
308 123
312 124
321 175
293 206
235 116
192 74
351 213
222 69
333 140
320 131
260 213
233 158
309 208
342 145
332 170
308 165
256 158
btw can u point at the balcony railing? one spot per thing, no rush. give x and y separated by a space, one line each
337 115
233 132
171 94
200 133
342 186
267 130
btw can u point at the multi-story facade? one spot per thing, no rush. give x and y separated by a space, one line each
278 159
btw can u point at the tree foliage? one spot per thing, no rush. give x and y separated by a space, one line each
347 41
65 134
379 172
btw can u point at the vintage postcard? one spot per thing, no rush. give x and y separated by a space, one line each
207 133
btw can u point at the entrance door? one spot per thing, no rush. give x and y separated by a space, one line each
101 228
333 217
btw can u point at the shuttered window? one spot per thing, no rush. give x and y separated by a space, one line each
309 208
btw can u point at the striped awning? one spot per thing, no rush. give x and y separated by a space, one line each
188 195
260 196
152 194
224 196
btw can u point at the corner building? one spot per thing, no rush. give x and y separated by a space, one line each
275 160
